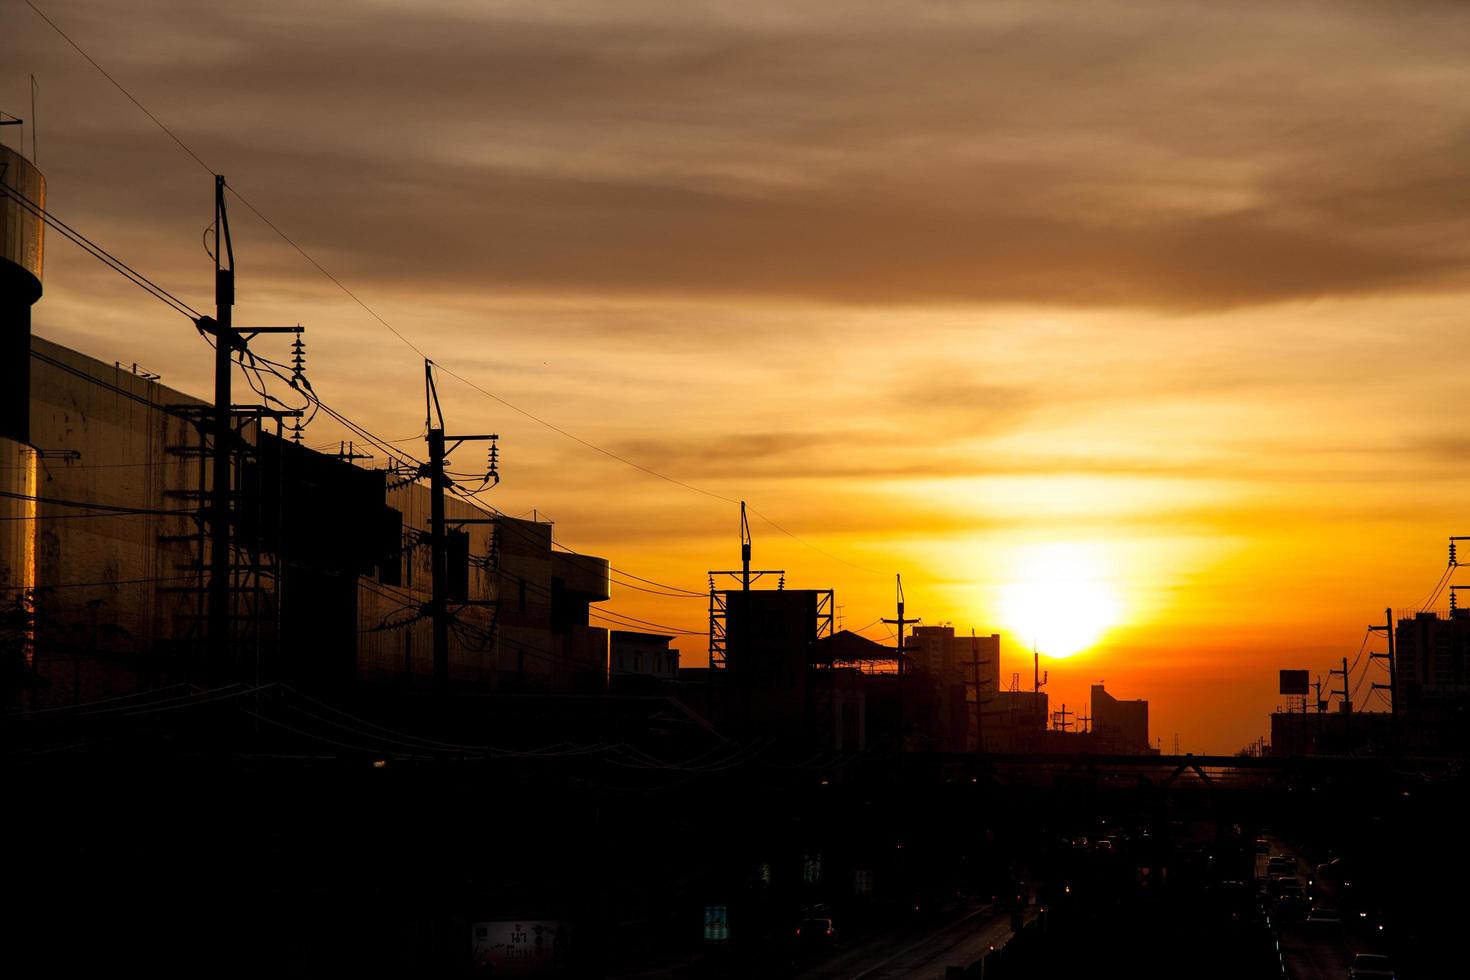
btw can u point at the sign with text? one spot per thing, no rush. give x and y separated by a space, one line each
519 949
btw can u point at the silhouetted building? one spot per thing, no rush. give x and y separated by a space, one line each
1015 721
641 662
1294 733
1433 660
1120 727
770 651
950 666
332 566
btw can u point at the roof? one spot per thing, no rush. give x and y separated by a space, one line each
849 646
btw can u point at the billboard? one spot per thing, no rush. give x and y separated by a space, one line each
1294 682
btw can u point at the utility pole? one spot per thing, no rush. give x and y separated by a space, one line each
1391 686
744 550
219 504
348 453
1059 718
439 483
1347 704
227 341
1038 680
1342 673
1084 723
745 575
1393 672
974 664
900 622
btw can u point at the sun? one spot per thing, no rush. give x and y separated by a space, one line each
1059 600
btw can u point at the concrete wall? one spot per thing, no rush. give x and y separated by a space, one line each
117 488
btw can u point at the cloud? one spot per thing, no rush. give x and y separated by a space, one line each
1183 162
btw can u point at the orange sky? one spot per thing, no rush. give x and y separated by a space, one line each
1168 294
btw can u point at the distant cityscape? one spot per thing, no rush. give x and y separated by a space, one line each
338 702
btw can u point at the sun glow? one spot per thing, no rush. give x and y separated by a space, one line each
1059 600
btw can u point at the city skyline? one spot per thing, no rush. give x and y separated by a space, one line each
1008 333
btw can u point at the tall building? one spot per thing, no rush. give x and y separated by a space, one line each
1433 659
962 675
1119 727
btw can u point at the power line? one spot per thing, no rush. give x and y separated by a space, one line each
675 588
109 509
607 614
101 254
156 121
276 368
579 440
1439 587
409 343
46 586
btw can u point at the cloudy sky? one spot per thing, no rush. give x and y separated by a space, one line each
1133 325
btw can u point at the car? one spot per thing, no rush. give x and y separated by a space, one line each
1371 966
1277 884
1323 919
1290 902
1263 846
816 934
1281 866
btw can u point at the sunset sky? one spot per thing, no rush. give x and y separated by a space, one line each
1144 316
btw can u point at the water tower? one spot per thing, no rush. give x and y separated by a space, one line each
22 244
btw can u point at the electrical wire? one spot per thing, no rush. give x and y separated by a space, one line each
1439 587
46 586
106 509
409 343
620 620
101 254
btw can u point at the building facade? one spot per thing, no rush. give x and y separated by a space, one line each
1119 727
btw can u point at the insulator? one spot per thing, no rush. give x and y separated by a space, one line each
1452 554
298 357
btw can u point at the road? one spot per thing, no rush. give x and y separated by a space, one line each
913 953
1317 952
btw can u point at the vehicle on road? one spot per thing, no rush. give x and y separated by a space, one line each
1323 919
816 934
1263 846
1281 866
1371 966
1291 901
